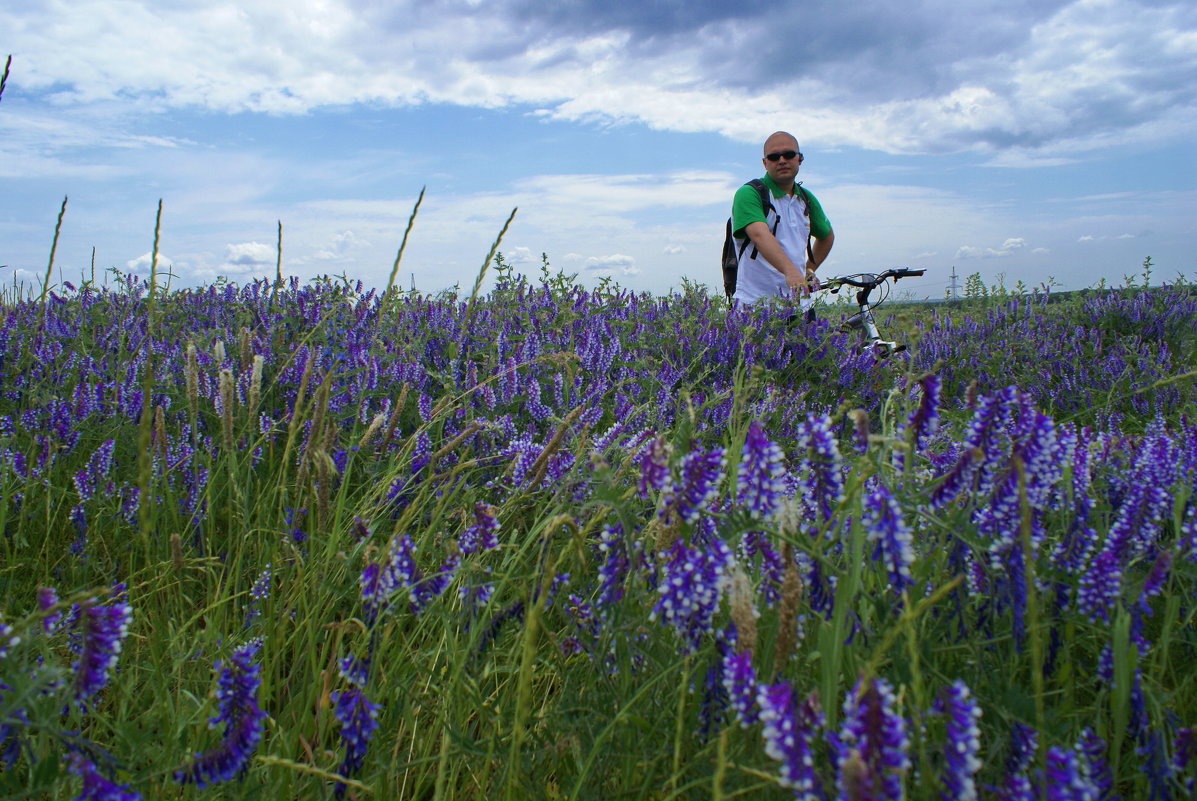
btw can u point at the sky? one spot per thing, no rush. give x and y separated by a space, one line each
1047 142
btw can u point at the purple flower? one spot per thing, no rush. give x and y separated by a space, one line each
1067 780
104 628
689 589
925 420
759 477
1153 585
1100 587
358 718
614 567
963 743
821 466
238 710
47 597
874 732
258 592
654 458
1094 750
481 534
700 473
96 787
886 527
739 679
788 738
958 479
87 479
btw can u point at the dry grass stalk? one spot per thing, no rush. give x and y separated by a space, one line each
393 421
791 595
176 552
743 610
542 462
226 407
191 376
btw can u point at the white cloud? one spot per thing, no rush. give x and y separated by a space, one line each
245 255
1047 79
610 265
674 250
144 262
1085 238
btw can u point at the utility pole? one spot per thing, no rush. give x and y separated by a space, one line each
953 286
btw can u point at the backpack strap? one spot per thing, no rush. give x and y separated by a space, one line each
766 206
810 256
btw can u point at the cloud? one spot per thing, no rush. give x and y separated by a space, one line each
609 265
1008 248
144 262
1045 78
339 246
1085 238
674 250
247 255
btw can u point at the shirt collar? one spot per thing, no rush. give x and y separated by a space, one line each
773 187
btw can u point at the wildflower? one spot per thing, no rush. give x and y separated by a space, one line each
1066 778
47 597
7 639
925 420
700 473
95 786
259 592
759 482
821 464
787 739
689 589
104 628
963 743
1094 749
1153 585
358 718
480 536
874 732
1100 586
739 679
614 567
238 710
886 527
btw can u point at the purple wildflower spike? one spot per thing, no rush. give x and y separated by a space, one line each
759 477
787 740
237 702
1094 750
1153 585
958 479
47 597
614 567
480 536
104 630
886 527
1066 777
353 670
7 639
874 730
97 787
359 719
654 466
689 589
822 465
1100 587
699 483
963 744
925 420
739 679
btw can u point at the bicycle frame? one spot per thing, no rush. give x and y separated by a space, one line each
863 320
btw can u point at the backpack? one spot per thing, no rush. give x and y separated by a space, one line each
731 254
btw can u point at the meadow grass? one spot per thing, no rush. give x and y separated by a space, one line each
514 545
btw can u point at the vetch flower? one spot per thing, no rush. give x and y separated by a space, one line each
886 527
238 710
47 597
104 628
689 589
359 719
963 744
480 535
925 420
97 787
739 679
759 483
700 473
1066 779
787 736
873 730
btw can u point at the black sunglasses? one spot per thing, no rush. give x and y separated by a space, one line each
788 155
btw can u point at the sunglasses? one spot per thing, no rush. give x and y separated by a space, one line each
788 155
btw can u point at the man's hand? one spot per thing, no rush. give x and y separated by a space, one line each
796 281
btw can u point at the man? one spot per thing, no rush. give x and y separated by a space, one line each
781 246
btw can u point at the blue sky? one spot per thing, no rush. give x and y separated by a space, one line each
1031 141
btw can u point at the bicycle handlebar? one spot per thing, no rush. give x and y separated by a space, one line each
869 280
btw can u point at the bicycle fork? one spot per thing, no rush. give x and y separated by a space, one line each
863 322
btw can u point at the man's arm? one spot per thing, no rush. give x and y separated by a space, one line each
820 247
772 252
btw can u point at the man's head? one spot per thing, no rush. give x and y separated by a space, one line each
781 158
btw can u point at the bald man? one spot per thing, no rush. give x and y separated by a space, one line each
780 246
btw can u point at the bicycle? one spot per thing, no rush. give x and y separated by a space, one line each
863 320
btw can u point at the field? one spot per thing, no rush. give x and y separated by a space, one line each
294 541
